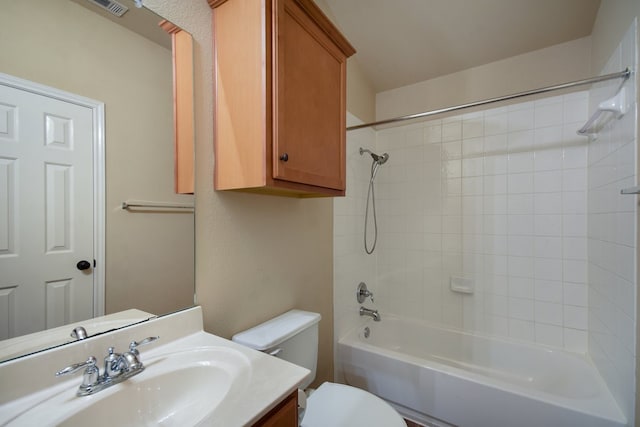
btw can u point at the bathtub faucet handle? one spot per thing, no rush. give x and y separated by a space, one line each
363 293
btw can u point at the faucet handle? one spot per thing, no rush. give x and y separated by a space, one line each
363 293
133 346
91 374
131 360
90 362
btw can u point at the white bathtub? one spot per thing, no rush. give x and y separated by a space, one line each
476 381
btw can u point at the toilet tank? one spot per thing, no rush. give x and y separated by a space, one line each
292 336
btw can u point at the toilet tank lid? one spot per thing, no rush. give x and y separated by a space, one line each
273 332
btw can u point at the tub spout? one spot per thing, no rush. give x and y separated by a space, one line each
372 313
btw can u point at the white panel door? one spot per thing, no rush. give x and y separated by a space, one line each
46 212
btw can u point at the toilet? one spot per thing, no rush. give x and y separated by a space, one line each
293 336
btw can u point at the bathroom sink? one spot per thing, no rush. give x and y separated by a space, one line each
191 378
176 389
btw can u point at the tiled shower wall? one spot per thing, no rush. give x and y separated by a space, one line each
612 236
497 197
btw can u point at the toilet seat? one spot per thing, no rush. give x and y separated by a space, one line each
339 405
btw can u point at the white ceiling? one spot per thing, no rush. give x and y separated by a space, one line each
400 42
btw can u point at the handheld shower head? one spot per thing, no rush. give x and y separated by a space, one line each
382 159
376 158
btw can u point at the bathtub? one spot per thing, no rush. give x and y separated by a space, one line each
429 373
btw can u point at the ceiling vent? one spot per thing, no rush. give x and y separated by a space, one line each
111 6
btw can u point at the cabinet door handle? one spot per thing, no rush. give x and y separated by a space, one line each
284 157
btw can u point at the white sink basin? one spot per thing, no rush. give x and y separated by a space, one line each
176 389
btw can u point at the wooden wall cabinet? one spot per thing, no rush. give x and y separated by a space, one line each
280 98
183 125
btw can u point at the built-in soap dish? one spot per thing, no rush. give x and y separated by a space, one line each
462 284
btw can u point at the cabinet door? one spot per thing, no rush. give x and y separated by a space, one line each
283 415
308 100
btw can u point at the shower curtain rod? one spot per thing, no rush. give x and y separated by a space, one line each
621 74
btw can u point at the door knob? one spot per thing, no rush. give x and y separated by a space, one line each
83 265
284 157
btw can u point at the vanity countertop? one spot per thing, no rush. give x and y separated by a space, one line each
29 382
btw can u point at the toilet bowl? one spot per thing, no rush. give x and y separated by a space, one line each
293 336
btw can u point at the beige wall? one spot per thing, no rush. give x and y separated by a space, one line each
361 98
556 64
613 20
256 256
60 44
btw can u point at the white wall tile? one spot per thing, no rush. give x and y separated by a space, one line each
521 266
575 271
548 159
495 224
574 225
521 287
521 308
549 334
575 340
520 246
520 162
548 203
548 291
452 131
495 184
520 120
575 110
520 204
548 181
575 248
433 133
549 114
472 185
549 313
495 205
546 138
575 156
473 127
548 247
575 294
495 123
495 164
452 149
574 180
548 225
548 269
575 317
520 225
520 183
521 329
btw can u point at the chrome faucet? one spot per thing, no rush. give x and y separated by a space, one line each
372 313
117 368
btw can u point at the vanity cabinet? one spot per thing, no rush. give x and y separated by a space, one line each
280 98
285 414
